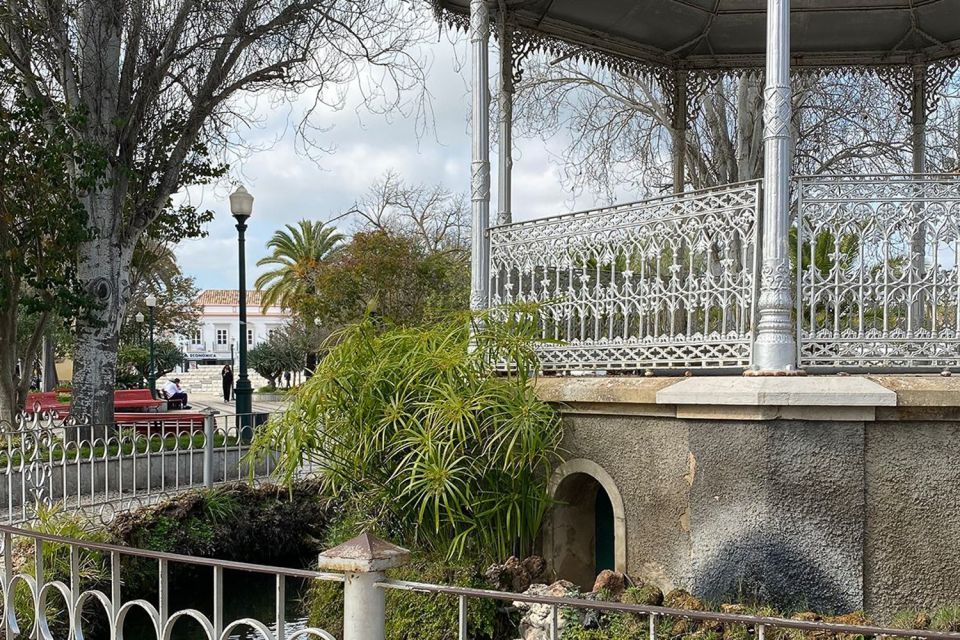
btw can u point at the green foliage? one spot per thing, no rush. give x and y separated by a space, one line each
416 423
285 350
133 361
93 568
412 615
391 275
297 255
946 619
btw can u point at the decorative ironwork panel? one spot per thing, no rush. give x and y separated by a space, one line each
878 280
666 282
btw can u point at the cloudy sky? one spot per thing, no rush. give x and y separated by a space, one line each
289 186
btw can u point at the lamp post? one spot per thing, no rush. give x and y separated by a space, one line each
241 206
139 318
152 373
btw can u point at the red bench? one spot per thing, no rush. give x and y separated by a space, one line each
46 402
170 422
135 399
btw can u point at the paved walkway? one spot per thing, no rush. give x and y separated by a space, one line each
201 401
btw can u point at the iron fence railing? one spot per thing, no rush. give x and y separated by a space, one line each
666 282
104 469
878 285
69 583
758 625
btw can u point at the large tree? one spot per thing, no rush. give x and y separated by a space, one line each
621 138
41 220
160 84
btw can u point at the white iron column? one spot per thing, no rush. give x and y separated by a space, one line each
918 249
775 346
480 165
679 126
504 214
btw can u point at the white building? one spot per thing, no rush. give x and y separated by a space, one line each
216 341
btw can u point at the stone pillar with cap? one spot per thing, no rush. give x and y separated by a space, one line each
363 561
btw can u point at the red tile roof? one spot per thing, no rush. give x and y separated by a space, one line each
230 297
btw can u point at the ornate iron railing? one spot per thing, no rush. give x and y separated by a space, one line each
666 282
878 284
104 469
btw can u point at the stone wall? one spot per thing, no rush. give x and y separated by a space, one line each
835 515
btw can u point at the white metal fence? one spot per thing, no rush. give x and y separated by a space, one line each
104 469
878 284
666 282
60 587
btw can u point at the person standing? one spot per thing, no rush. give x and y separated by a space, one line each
226 374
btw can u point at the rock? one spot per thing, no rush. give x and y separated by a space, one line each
536 619
643 594
611 583
806 616
681 599
536 566
736 609
512 575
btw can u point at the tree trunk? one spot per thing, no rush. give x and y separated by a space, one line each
104 264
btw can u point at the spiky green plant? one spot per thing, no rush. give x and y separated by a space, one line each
455 453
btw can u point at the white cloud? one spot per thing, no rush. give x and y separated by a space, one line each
288 185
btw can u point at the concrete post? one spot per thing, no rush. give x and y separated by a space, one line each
208 436
363 560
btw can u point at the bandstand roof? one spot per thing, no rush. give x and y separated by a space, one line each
731 34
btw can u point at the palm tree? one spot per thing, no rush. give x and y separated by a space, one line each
297 253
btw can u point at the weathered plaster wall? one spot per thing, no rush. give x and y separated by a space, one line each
648 460
830 515
777 511
912 546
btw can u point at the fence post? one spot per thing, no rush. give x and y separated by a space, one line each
363 560
208 435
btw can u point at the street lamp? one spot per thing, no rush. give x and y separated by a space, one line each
241 206
152 373
139 318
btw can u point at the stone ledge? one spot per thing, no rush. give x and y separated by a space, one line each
922 390
602 389
793 391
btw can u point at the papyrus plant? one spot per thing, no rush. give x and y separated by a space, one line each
436 430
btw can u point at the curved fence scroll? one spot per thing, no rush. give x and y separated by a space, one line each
666 282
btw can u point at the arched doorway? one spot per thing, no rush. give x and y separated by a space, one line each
586 530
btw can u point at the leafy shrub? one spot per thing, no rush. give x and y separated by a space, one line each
417 423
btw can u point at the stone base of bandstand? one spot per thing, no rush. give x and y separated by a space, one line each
834 493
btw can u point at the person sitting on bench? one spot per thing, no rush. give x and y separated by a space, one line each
174 393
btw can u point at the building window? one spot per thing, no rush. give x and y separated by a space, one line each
249 336
221 336
195 337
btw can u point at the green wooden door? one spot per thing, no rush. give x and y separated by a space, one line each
603 513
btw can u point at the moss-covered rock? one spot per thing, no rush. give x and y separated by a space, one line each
648 595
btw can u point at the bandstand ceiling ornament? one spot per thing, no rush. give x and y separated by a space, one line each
732 34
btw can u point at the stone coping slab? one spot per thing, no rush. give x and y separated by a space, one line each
922 390
779 391
602 389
